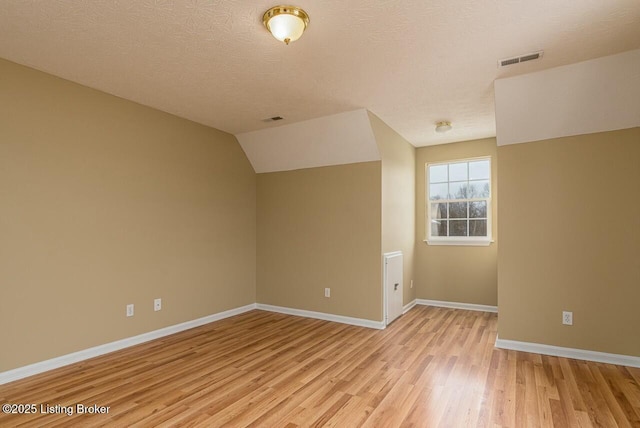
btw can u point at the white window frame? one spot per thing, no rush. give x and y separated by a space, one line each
458 240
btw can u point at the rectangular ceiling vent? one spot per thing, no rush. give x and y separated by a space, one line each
273 119
518 59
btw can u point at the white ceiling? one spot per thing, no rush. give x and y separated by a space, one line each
337 139
411 62
598 95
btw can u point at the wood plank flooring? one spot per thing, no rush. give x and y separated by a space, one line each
432 367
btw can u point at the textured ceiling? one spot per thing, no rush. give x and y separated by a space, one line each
411 62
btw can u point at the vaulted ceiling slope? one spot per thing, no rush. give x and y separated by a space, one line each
410 62
598 95
338 139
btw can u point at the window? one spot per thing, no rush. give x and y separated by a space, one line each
459 202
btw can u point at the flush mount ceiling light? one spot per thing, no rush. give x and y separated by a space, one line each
443 127
286 23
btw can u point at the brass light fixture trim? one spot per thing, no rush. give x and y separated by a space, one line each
443 126
286 10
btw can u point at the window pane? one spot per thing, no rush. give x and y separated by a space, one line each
479 189
450 187
438 211
477 227
458 171
458 190
479 170
438 191
478 209
438 227
458 228
438 174
458 210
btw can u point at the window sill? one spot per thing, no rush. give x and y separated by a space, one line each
460 242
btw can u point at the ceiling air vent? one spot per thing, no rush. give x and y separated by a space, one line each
519 59
273 119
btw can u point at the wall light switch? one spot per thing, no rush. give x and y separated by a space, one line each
327 292
157 304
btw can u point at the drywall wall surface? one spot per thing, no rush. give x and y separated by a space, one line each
104 203
398 198
320 228
570 241
463 274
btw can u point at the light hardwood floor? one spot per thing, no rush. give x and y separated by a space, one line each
432 367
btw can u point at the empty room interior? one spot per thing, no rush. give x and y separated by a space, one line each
364 213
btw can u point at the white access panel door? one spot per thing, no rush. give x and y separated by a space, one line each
392 286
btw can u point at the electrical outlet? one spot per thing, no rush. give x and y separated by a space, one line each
157 304
130 310
412 283
567 318
327 292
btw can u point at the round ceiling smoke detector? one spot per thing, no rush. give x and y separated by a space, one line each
443 127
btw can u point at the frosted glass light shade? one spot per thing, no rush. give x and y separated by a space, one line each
286 23
443 127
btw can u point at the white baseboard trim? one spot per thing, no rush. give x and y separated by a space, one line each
360 322
85 354
578 354
457 305
408 306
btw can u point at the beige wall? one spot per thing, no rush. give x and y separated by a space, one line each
317 228
105 202
398 198
455 273
570 240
